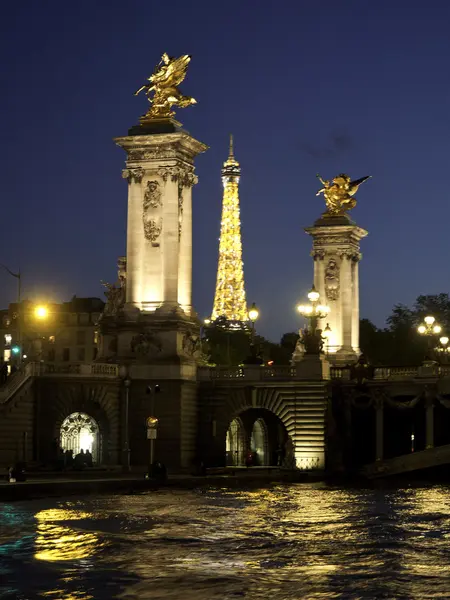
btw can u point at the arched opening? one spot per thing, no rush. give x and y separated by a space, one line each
258 438
259 443
80 431
235 444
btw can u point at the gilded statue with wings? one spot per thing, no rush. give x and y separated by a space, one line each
164 82
339 193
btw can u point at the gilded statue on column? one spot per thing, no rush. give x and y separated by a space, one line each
163 82
339 193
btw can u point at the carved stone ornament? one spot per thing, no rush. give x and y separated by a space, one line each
318 254
191 344
348 253
158 152
152 228
146 344
180 210
152 195
181 175
332 280
133 175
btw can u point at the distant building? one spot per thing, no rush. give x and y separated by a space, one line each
65 332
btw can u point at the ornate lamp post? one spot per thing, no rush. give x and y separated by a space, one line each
124 374
313 337
430 329
253 315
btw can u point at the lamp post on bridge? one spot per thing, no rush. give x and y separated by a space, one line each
429 328
313 337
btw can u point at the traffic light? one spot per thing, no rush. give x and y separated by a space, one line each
15 349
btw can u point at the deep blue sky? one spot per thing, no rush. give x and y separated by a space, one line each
305 86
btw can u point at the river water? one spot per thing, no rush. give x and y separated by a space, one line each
289 541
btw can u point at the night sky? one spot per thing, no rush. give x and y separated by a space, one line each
311 86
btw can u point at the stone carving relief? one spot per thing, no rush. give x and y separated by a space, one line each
158 152
332 280
180 210
133 175
348 253
152 228
183 176
191 344
152 201
146 344
116 293
318 254
152 195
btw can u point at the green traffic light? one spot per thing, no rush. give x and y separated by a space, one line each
15 349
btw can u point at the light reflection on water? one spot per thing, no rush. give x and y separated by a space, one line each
293 541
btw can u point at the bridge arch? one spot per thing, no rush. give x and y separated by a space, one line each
61 400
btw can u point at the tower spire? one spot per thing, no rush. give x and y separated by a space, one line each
229 299
231 153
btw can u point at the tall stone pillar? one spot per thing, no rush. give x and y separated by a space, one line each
336 256
160 174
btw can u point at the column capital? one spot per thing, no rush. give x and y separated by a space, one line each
133 175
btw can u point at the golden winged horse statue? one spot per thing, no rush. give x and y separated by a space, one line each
339 193
164 82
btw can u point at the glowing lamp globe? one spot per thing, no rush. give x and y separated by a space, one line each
313 295
421 329
444 340
429 320
41 312
253 313
437 329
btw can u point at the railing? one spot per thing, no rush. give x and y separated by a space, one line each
286 372
80 369
15 381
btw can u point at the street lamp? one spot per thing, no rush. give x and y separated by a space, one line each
41 312
253 315
312 313
429 328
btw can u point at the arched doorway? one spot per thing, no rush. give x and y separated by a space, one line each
259 443
235 444
257 437
79 431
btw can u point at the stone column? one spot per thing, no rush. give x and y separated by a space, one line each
346 303
355 302
336 252
379 429
170 242
159 259
135 242
185 233
429 421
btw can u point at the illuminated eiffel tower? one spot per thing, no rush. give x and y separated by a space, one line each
229 300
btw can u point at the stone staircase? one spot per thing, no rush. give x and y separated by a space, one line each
433 457
17 380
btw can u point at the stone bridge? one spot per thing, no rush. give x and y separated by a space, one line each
235 416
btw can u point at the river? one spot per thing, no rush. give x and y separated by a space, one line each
289 541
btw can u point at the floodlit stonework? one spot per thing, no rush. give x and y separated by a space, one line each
336 255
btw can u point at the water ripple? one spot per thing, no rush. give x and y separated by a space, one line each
286 542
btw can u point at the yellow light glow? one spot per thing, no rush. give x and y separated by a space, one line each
313 295
301 308
229 299
41 312
444 340
421 329
253 313
437 329
308 309
326 333
429 320
207 321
